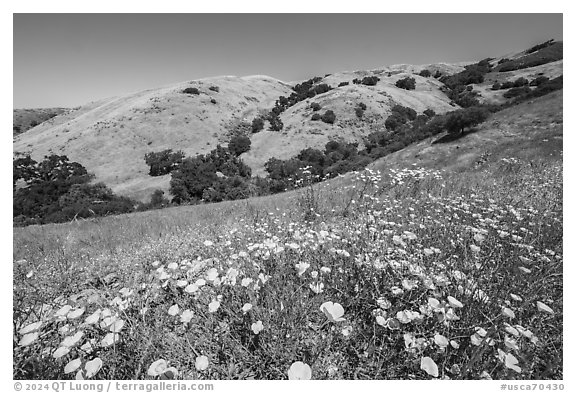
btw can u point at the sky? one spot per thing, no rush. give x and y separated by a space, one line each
67 60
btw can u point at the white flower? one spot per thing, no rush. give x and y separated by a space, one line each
72 365
186 316
246 307
214 306
157 368
174 310
302 267
62 351
70 341
428 365
299 371
333 311
28 339
92 367
201 363
30 328
257 327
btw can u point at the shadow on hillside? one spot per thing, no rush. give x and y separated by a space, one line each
446 137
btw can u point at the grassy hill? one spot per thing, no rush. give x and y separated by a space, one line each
447 263
25 119
110 137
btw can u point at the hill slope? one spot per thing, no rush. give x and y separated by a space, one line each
110 137
25 119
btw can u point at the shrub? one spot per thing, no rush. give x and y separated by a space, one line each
329 117
458 120
550 53
239 144
343 84
507 85
163 162
437 74
539 80
467 100
316 116
370 80
496 86
517 91
275 122
212 100
394 121
320 89
404 111
359 110
357 81
520 82
429 112
406 83
157 200
214 88
315 106
543 45
257 125
425 73
191 90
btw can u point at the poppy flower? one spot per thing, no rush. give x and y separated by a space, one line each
511 362
70 341
30 328
28 339
440 340
299 371
174 310
257 327
109 339
157 368
92 367
201 363
333 311
301 267
428 365
544 308
186 316
454 302
72 366
61 351
214 306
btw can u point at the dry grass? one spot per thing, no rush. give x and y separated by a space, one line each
382 246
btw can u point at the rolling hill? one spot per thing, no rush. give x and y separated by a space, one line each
110 137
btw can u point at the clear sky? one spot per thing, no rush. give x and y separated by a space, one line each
71 59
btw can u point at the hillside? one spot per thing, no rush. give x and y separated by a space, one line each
530 131
25 119
110 137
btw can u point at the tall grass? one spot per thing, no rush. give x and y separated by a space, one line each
409 274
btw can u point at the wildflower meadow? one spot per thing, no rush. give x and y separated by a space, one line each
397 274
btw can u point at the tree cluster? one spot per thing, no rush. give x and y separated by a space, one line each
57 190
163 162
407 83
400 115
191 90
216 176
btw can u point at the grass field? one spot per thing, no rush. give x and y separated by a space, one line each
401 274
